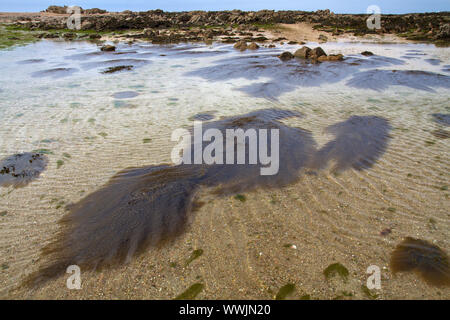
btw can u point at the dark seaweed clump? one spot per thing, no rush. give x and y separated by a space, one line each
117 69
20 169
441 134
424 258
143 207
441 118
359 142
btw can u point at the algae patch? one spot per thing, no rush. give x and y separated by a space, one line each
191 292
285 291
336 269
10 37
195 255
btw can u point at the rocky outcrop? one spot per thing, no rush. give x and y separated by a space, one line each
444 32
56 9
63 10
418 26
314 55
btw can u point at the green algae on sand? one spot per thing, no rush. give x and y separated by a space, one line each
191 292
194 255
336 268
240 197
285 291
10 37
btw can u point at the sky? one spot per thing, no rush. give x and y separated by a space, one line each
342 6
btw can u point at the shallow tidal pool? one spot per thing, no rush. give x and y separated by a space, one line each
368 158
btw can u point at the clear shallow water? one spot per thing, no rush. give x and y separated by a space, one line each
55 97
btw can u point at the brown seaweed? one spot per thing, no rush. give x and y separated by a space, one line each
150 206
359 142
424 258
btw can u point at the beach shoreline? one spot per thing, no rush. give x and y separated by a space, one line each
265 26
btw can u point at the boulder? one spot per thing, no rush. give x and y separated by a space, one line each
241 45
316 53
302 53
286 56
253 46
108 48
367 53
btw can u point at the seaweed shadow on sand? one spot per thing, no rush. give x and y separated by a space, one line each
150 206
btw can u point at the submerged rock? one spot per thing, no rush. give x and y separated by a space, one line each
20 169
286 56
367 53
302 53
331 57
241 45
253 46
108 48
